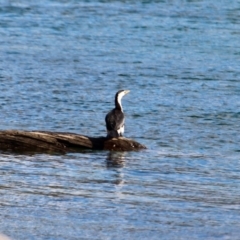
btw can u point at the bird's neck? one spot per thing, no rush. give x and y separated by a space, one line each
118 104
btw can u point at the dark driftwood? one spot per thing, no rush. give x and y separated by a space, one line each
60 142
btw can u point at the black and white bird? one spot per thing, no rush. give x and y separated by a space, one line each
115 118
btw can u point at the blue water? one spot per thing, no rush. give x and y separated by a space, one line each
61 63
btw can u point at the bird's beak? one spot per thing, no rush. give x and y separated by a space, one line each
126 92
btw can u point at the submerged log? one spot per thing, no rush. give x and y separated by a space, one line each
61 142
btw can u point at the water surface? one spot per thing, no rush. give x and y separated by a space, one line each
61 63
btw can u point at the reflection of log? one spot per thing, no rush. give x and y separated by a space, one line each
53 142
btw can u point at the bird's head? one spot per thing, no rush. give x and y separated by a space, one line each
121 93
118 98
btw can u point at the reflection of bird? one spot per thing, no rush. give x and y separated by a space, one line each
115 118
116 159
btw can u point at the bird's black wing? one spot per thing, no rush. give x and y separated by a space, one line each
114 120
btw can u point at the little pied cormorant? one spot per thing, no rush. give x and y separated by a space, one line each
115 118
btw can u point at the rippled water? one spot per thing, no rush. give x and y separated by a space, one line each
61 63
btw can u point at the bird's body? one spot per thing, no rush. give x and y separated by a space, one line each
115 118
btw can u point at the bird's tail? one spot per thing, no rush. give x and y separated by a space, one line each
113 134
